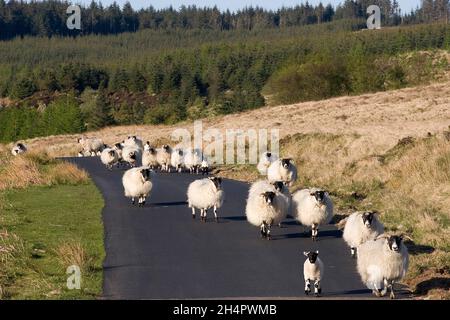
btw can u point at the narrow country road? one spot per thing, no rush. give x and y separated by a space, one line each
160 252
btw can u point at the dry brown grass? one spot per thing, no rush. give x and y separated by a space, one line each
73 253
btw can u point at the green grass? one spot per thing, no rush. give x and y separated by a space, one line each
44 219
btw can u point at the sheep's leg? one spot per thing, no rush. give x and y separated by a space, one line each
307 286
203 214
317 288
143 200
269 226
376 291
385 289
353 252
215 214
133 201
193 213
263 230
314 232
392 296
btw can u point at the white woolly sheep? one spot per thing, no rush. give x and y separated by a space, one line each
177 159
149 158
193 159
18 148
265 207
163 157
361 227
133 141
204 194
91 145
204 167
282 170
265 160
312 207
109 157
130 155
137 183
382 262
313 270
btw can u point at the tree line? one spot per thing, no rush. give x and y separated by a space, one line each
48 18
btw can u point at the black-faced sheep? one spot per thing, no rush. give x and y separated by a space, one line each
109 157
133 141
282 170
265 160
177 159
130 155
361 227
149 158
312 207
382 262
163 157
204 194
137 183
313 270
18 148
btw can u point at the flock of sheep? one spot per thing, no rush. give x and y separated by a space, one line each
382 259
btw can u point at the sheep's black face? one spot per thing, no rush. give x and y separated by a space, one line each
312 255
268 154
367 218
146 174
319 195
20 146
268 197
132 156
180 152
112 153
118 146
394 243
278 186
217 182
152 150
166 148
285 163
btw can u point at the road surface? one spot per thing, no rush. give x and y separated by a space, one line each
160 252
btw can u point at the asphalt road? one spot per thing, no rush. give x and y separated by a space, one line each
160 252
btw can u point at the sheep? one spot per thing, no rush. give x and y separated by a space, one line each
137 183
176 159
91 145
130 155
18 148
361 227
265 160
163 157
265 206
382 262
204 194
282 170
133 141
204 167
149 158
193 159
312 207
313 270
109 157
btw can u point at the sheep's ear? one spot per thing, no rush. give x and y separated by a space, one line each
305 253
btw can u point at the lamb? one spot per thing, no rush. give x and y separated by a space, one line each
163 157
204 167
176 159
282 170
265 207
137 183
149 158
382 262
18 148
312 207
133 141
193 159
361 227
91 145
204 194
130 155
109 157
313 270
265 160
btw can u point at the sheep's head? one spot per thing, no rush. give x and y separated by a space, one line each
132 155
166 148
319 195
217 182
112 153
367 218
394 242
20 146
312 255
132 138
286 162
146 174
118 146
268 155
279 185
268 197
180 152
152 150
